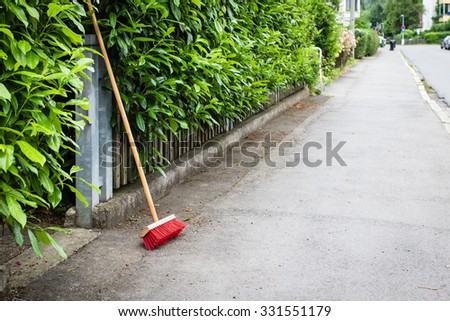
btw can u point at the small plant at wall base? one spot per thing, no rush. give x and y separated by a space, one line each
41 62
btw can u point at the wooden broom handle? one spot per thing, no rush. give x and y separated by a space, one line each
123 114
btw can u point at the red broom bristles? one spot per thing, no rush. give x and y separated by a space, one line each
163 233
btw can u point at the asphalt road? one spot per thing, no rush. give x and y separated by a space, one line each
376 229
434 65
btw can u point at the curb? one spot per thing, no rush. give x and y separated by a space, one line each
443 117
131 198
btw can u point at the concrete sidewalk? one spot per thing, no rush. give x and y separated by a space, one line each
376 229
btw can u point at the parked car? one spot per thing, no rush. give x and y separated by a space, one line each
445 44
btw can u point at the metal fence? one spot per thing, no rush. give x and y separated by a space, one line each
176 145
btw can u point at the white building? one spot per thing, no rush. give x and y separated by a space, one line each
430 12
430 6
344 11
444 9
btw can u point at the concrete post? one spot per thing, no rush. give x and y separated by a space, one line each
105 133
96 133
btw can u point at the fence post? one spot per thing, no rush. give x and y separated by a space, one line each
93 141
105 131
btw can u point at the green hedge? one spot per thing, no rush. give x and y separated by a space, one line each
191 63
439 27
435 37
367 43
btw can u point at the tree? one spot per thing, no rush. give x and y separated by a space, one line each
394 9
377 14
367 4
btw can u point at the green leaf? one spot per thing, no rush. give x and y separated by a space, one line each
198 3
78 195
75 38
24 46
16 210
140 122
113 19
4 93
35 244
6 156
54 142
56 197
59 229
17 233
75 169
33 12
183 124
175 10
3 55
27 165
42 236
173 125
53 9
19 13
46 182
31 153
7 32
32 60
95 188
57 247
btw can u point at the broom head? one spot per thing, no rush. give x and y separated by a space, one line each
162 231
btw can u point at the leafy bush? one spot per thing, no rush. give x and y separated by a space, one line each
41 62
362 39
409 34
327 30
435 37
373 43
367 43
439 27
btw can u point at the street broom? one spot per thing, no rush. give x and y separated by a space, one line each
160 231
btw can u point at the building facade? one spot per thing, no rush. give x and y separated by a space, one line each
344 11
430 12
444 10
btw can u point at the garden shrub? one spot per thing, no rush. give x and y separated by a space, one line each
190 64
362 39
367 43
373 43
435 37
439 27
